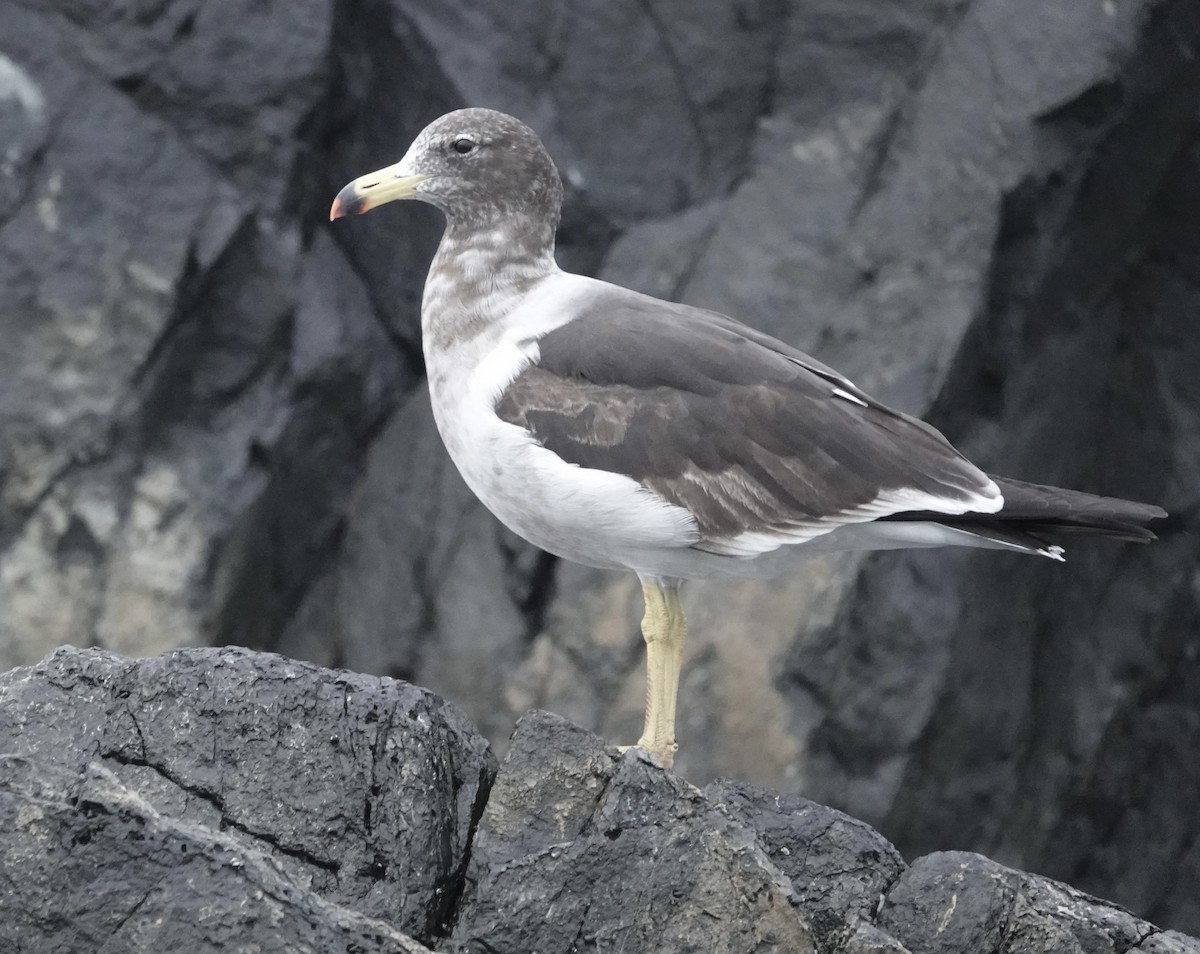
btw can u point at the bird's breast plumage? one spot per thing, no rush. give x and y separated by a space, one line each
589 516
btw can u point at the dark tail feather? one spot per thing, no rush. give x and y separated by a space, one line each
1039 518
1042 509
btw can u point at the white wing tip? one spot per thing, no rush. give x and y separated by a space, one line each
993 500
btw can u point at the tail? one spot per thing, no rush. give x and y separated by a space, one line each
1039 519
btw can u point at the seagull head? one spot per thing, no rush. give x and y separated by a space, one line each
478 166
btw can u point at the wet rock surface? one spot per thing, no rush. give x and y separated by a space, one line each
210 799
320 793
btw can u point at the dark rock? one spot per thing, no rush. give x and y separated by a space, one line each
358 790
710 66
155 279
581 848
89 865
955 901
212 799
841 867
237 81
1051 668
1169 942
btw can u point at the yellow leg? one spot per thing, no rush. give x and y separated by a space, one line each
664 628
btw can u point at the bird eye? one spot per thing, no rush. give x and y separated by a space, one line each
462 145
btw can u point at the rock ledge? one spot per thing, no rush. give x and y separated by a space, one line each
216 799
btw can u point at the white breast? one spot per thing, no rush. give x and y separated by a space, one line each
589 516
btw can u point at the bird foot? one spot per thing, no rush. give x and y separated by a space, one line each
659 755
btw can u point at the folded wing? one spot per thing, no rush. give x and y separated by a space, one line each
764 445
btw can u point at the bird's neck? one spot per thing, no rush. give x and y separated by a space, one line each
478 275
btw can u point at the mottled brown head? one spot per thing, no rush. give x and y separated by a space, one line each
479 166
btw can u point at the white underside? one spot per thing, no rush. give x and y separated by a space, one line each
898 535
608 520
589 516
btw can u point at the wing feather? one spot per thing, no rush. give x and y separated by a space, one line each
750 435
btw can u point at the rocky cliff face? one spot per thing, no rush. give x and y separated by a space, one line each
213 428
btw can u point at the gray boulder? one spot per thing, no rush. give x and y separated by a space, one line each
216 799
148 802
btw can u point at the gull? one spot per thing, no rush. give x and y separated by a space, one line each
628 433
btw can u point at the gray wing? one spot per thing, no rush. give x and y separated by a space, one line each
761 443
